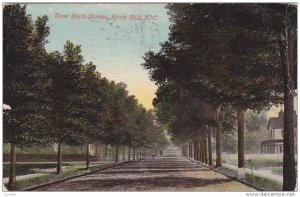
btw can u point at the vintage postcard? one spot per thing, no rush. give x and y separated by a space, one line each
150 97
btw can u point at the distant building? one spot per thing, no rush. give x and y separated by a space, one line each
274 143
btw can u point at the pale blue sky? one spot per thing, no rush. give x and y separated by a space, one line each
116 47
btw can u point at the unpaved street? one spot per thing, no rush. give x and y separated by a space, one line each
160 174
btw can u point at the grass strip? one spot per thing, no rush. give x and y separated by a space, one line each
69 172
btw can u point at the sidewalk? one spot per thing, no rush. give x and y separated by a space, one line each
260 173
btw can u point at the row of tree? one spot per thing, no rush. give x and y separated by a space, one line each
219 61
57 98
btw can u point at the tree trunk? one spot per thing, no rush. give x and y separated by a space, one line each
133 154
205 147
123 154
218 146
195 150
129 153
59 159
100 152
12 167
117 154
190 150
184 149
189 146
105 152
209 148
87 156
241 131
289 172
140 153
200 147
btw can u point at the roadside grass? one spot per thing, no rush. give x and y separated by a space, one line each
257 162
263 183
263 162
23 168
254 180
279 171
227 171
68 172
254 160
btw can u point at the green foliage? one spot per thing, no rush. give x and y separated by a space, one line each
255 122
24 80
278 171
55 97
64 75
256 131
229 124
228 63
229 143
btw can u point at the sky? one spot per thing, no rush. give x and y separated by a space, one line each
115 44
111 38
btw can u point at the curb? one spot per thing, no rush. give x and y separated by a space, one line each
231 177
76 176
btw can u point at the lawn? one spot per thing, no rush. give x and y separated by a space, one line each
254 180
263 183
23 168
42 178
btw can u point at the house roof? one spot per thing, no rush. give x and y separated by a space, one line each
277 122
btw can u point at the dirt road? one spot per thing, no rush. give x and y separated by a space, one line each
160 174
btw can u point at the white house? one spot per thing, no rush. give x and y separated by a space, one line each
274 143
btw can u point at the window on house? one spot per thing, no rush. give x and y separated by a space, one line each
271 134
282 133
281 149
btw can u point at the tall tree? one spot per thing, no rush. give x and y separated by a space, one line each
23 81
90 105
285 18
227 40
64 72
